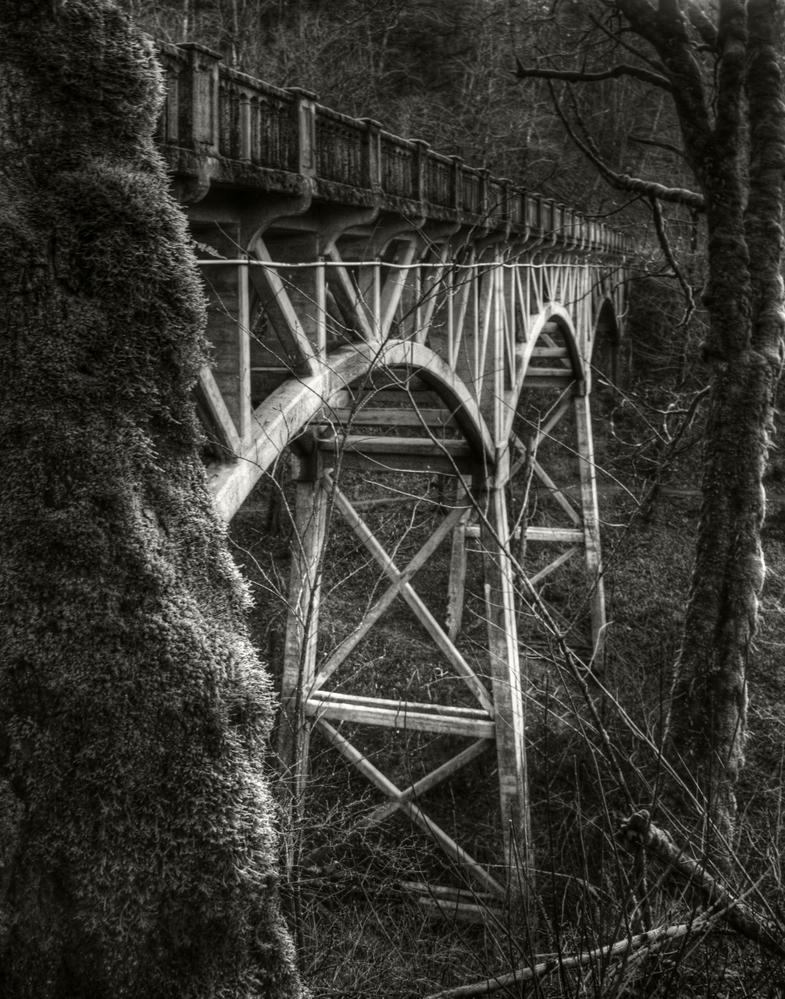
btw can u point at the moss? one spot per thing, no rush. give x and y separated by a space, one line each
137 845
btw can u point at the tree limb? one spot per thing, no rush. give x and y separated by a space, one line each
623 181
580 76
662 237
664 27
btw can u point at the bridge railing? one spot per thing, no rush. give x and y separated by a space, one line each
218 112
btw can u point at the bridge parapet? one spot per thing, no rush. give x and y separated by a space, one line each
223 127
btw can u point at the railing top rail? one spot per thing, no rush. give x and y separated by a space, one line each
322 111
258 85
226 125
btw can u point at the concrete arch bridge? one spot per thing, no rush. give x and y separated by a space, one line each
393 318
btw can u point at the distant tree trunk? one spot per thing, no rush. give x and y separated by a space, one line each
136 840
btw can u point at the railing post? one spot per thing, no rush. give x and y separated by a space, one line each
457 182
421 170
373 154
536 203
245 127
505 209
558 220
582 231
568 223
484 197
200 101
305 112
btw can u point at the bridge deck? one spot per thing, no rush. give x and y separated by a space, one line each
221 127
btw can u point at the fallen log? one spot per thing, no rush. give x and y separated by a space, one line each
639 831
650 940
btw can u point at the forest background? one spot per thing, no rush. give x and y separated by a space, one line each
464 76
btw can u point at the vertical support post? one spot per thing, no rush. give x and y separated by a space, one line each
244 352
490 377
507 691
302 627
456 590
591 517
321 309
417 291
450 319
377 298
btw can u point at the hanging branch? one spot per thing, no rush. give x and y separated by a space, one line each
665 246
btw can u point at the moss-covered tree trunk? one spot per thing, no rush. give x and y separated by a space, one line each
136 842
733 126
742 172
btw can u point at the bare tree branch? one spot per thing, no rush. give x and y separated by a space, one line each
623 181
655 64
662 236
671 148
666 29
580 76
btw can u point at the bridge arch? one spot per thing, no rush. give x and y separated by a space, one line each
290 408
606 341
553 317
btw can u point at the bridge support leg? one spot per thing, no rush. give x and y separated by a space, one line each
456 590
507 692
591 523
300 648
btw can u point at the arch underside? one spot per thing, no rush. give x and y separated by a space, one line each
291 407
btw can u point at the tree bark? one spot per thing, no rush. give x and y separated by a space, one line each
136 836
726 84
708 718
